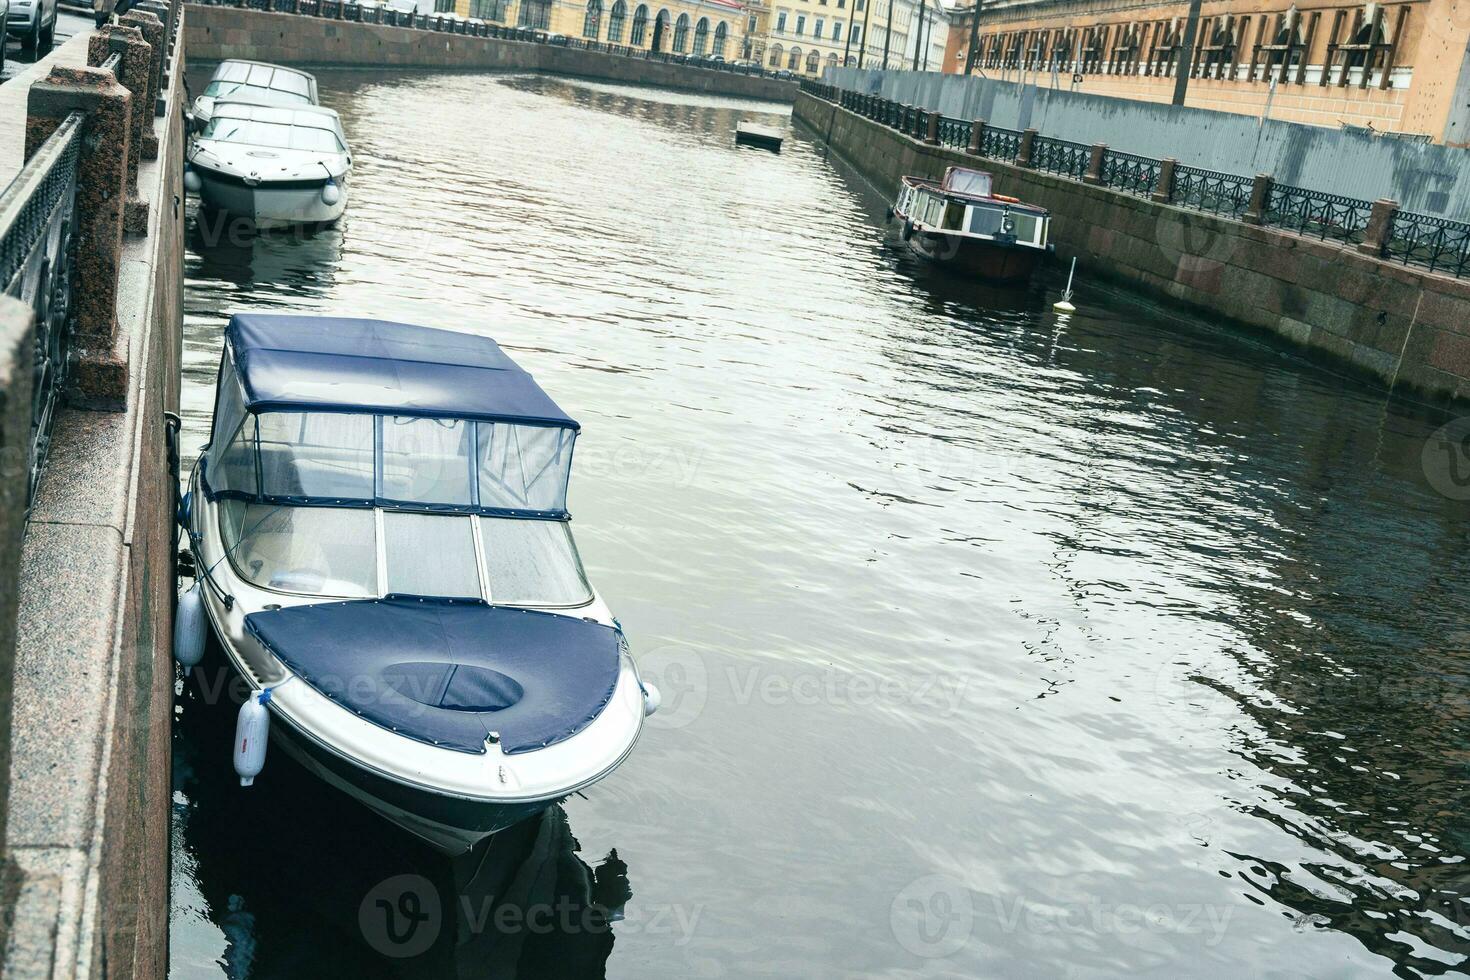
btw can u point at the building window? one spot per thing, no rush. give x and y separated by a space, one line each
535 14
800 24
720 32
640 24
794 61
443 6
855 36
837 31
750 28
817 30
615 21
488 9
681 33
592 23
859 6
780 22
813 62
775 56
701 35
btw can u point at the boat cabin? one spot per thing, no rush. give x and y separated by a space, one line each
361 458
964 203
248 121
281 86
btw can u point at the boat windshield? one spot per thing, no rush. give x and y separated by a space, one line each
240 76
280 136
962 181
356 553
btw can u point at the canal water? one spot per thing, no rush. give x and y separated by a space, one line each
994 643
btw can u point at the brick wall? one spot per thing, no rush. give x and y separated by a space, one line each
1398 326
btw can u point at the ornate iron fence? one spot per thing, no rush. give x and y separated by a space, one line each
1131 173
1318 214
954 132
1061 157
1438 244
1212 191
1000 144
37 264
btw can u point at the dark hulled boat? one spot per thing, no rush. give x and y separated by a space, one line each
961 222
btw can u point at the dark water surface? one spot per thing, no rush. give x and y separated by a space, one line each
994 644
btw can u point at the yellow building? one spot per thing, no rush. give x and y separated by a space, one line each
807 36
1392 67
702 27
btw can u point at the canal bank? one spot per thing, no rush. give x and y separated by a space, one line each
219 32
92 570
1401 327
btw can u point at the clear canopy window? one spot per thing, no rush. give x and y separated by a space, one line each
280 136
968 182
238 76
328 458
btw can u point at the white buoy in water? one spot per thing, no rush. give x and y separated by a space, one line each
189 628
1065 304
252 732
651 699
331 193
192 183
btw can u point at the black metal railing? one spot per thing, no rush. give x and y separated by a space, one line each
37 266
1211 191
954 132
1318 214
1438 244
1131 173
1000 144
1062 157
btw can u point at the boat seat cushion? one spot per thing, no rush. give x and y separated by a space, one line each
450 672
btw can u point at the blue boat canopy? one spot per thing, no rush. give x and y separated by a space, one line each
313 363
449 672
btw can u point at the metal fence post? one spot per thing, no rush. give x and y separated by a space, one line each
1255 213
1164 193
1379 233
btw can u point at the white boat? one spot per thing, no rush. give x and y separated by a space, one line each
273 84
276 165
384 551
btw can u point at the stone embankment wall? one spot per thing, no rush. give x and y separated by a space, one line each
1406 328
89 796
217 32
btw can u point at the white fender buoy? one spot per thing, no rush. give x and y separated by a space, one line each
192 183
651 699
331 193
189 628
252 733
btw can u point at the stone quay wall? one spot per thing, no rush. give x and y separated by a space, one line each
218 32
1403 327
88 806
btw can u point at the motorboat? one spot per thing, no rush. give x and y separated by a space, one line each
382 546
961 221
275 165
274 84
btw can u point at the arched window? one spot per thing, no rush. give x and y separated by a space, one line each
661 31
681 33
720 39
535 13
831 61
776 56
701 35
793 61
640 25
615 22
813 62
593 21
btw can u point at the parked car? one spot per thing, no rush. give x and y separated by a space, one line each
786 73
34 22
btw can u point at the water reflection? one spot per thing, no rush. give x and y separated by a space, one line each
301 881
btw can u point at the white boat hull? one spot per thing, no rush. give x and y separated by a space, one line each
271 206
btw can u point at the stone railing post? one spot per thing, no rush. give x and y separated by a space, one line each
1095 164
102 179
1380 228
977 137
1164 193
17 373
134 73
1028 145
147 22
931 136
1260 197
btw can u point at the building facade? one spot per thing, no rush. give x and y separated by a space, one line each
1395 68
695 27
